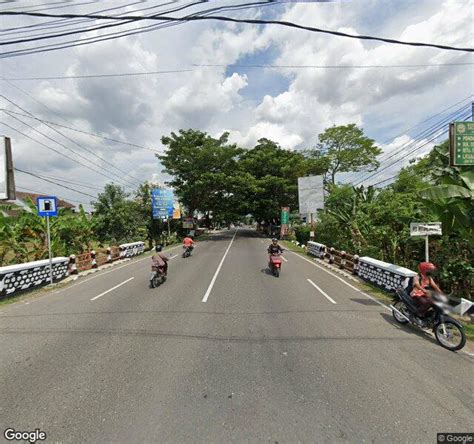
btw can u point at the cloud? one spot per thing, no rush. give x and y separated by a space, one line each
142 109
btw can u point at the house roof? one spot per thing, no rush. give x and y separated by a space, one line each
33 196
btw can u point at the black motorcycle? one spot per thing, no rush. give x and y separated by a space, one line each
448 331
157 276
187 251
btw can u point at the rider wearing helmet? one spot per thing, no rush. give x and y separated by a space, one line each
160 260
274 247
422 283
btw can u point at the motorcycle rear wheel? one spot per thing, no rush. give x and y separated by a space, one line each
451 337
400 306
276 272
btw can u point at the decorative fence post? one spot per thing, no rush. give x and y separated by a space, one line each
93 259
72 264
343 260
331 255
355 260
109 255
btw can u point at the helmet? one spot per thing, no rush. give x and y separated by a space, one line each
158 248
426 267
274 240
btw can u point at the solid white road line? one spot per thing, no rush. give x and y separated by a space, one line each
284 258
176 255
343 281
208 292
111 289
321 291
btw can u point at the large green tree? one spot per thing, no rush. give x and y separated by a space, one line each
274 174
344 149
205 172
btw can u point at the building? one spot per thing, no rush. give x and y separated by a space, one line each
12 208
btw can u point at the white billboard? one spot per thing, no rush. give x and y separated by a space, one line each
310 194
425 229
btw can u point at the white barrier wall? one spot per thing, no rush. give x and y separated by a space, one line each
384 275
14 278
316 249
131 249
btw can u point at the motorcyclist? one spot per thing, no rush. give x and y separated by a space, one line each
274 248
160 260
188 242
422 284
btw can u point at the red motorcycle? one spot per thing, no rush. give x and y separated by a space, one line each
275 264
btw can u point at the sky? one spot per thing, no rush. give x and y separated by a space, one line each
217 83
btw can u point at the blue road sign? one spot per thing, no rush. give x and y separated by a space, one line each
162 203
47 206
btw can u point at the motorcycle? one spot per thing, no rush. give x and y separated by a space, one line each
187 251
157 276
275 264
449 333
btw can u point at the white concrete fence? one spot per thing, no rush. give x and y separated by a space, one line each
15 278
20 277
381 274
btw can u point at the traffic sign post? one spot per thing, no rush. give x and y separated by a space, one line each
461 143
426 229
48 207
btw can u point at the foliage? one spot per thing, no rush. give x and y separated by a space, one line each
116 219
345 148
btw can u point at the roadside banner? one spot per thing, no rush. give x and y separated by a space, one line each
162 203
310 194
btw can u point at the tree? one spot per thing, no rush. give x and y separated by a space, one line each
115 218
345 149
273 178
204 170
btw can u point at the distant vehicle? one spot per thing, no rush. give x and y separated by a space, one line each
275 264
158 275
448 331
187 251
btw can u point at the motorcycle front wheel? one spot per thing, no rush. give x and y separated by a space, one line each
450 336
400 306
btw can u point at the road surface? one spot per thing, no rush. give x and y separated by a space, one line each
303 357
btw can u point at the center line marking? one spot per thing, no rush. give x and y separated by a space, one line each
111 289
208 292
321 291
172 257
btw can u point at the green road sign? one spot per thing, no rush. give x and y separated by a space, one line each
462 143
285 216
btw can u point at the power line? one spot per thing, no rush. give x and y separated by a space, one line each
231 20
139 30
72 182
186 70
73 141
58 23
376 173
55 183
425 133
344 66
87 132
109 174
58 152
30 190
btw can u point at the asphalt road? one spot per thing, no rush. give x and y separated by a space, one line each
263 359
